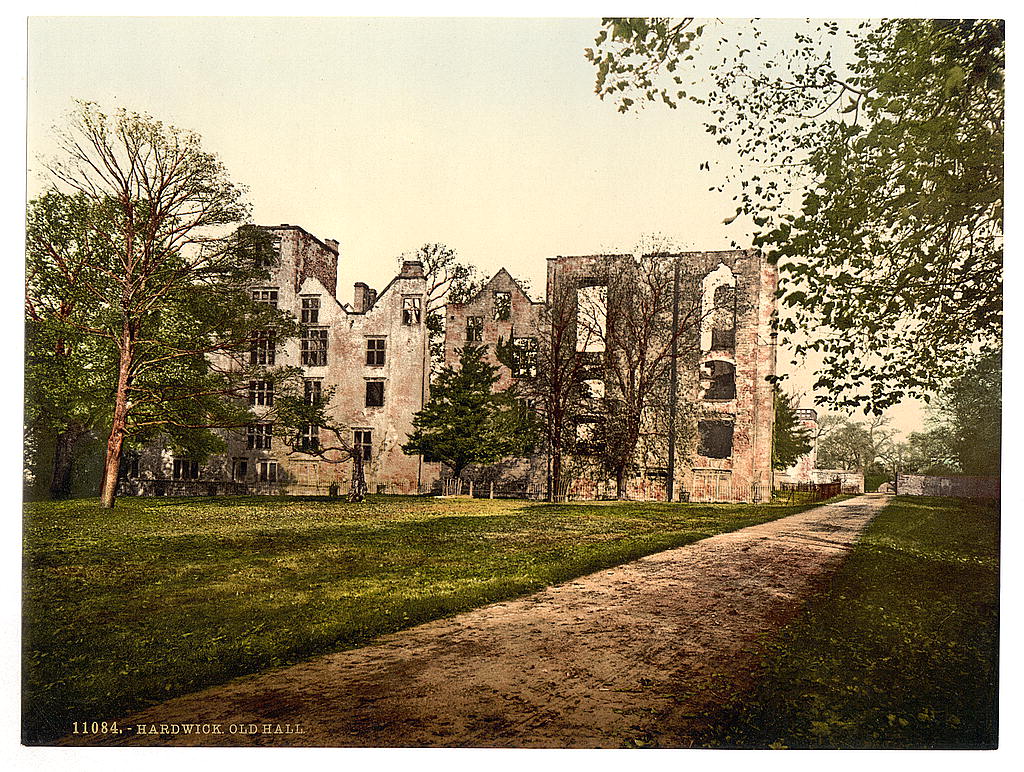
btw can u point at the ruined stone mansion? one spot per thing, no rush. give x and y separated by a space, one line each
374 354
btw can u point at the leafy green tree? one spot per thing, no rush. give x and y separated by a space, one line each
466 422
157 282
791 439
870 168
855 445
922 453
67 373
969 416
964 433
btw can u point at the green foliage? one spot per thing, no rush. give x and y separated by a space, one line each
874 480
870 168
465 422
900 649
272 581
927 452
964 433
68 373
969 416
791 439
137 286
854 445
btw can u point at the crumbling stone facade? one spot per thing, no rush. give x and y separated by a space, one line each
723 407
371 353
724 411
704 431
500 311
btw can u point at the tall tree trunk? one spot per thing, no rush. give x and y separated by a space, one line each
63 462
555 486
115 442
357 491
620 483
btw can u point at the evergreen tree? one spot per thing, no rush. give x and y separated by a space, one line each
466 422
792 439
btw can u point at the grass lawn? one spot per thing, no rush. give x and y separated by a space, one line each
899 650
160 597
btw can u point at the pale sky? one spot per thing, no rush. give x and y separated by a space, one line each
384 134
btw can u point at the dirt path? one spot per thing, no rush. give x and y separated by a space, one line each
634 653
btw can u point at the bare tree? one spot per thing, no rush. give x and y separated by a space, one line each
448 281
556 388
339 451
302 421
638 326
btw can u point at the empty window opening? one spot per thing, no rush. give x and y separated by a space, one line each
375 393
411 310
525 364
718 310
474 329
586 430
263 345
269 258
311 310
309 441
715 439
587 434
267 296
591 318
312 391
363 442
722 377
240 469
502 306
593 389
725 298
259 436
186 469
723 325
266 471
261 393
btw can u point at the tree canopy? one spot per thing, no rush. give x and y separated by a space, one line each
869 167
967 420
465 422
854 445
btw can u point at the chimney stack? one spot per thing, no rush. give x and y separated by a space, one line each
360 297
332 243
412 269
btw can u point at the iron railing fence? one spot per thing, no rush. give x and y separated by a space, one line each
818 491
707 488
